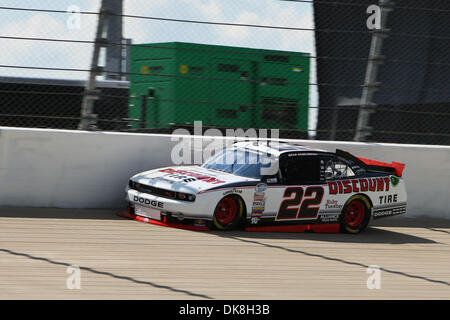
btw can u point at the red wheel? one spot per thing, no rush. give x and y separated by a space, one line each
228 213
355 215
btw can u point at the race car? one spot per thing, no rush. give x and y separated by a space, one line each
264 187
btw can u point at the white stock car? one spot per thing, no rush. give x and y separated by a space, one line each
288 188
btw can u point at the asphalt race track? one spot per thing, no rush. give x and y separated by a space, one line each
124 259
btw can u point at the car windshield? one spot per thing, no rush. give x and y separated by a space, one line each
243 163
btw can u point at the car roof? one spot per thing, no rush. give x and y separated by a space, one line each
275 148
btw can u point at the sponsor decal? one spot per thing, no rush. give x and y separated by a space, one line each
383 213
258 208
232 191
188 176
359 185
199 223
300 154
333 204
259 203
148 202
392 198
261 187
329 218
389 212
272 180
394 180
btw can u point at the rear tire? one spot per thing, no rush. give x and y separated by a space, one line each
355 215
228 213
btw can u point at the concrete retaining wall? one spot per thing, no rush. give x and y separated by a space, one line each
73 169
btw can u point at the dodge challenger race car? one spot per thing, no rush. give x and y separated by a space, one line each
260 187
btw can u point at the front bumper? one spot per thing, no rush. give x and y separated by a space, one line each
187 225
176 208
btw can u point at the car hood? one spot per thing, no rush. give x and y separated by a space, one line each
189 179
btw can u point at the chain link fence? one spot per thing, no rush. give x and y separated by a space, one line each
331 70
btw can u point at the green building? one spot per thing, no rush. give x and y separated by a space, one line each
179 83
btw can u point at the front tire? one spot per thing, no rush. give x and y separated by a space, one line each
228 213
355 215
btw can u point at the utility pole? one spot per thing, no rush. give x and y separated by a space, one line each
367 107
109 36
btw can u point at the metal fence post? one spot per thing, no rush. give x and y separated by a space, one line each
367 106
88 118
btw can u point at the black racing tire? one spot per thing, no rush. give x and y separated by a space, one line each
228 213
355 215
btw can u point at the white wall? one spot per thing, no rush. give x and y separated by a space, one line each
70 169
73 169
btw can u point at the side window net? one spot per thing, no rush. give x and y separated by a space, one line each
337 169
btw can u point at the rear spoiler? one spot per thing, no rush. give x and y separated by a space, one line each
392 168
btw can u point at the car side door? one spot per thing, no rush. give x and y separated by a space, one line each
301 191
337 173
